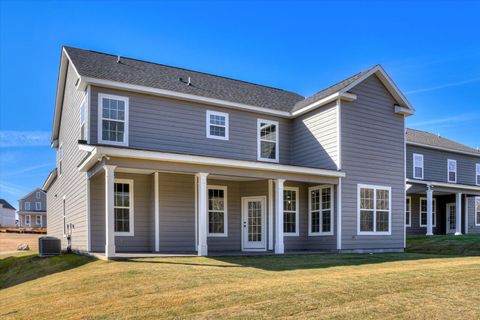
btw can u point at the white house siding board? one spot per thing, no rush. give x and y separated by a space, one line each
435 165
7 217
72 183
163 124
314 142
372 153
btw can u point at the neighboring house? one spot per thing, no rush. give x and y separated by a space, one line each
32 212
443 185
7 214
152 158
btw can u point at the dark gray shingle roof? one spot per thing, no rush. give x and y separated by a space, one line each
434 140
104 66
6 204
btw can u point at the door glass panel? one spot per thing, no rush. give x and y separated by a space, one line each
254 221
452 222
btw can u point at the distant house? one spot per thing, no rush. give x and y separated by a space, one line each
32 212
7 214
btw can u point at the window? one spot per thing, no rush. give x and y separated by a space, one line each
374 210
27 206
82 119
417 166
217 211
320 211
290 211
477 176
113 119
123 207
477 211
267 143
217 125
60 160
452 170
38 220
38 206
408 211
27 220
423 212
37 194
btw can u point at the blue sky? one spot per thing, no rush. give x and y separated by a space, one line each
431 50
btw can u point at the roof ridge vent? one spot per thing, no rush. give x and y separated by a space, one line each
188 82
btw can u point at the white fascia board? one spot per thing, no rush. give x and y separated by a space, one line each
403 111
442 149
49 180
337 95
444 184
177 95
101 151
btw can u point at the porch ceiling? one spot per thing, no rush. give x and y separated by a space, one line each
441 188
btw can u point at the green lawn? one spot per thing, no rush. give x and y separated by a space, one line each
409 285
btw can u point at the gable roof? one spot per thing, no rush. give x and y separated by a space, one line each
427 139
6 204
34 190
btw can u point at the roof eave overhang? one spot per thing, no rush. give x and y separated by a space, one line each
48 182
331 98
444 184
99 152
423 145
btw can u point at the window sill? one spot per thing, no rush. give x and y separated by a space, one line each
374 233
267 160
123 234
217 235
113 143
320 234
290 234
217 138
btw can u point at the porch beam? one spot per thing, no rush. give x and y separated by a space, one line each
458 218
109 211
202 249
279 245
429 211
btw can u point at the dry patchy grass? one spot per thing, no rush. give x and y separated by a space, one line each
10 241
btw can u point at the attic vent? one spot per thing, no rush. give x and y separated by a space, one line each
118 59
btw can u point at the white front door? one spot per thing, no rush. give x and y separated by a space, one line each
451 218
253 223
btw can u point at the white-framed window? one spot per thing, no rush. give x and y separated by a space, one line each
423 212
417 166
28 220
217 211
60 160
320 211
37 194
477 174
477 211
38 220
452 170
82 118
290 211
38 206
123 207
408 211
113 119
217 125
374 210
267 140
26 206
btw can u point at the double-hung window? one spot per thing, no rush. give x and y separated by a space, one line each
113 119
452 170
28 220
477 211
38 220
290 211
217 125
477 174
27 206
320 211
217 211
38 206
37 194
123 207
267 140
423 212
417 166
408 211
374 210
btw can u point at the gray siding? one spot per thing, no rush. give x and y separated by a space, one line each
162 124
32 199
372 152
435 165
315 138
472 227
33 221
72 183
415 228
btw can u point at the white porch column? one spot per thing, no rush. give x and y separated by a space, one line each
109 211
202 248
429 211
279 246
458 218
157 211
270 214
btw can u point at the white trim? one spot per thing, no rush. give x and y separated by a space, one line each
60 159
297 212
208 124
131 207
156 177
100 119
89 113
339 135
99 151
444 184
321 210
477 213
277 144
270 214
339 214
64 216
83 114
408 210
29 224
422 167
195 181
434 213
443 149
477 174
263 199
375 188
36 220
88 215
454 171
336 96
225 211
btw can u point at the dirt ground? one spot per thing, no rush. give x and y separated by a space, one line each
10 241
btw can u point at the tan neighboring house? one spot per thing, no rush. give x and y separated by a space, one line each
7 214
32 212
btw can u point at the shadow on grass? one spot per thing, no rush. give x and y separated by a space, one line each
464 245
17 269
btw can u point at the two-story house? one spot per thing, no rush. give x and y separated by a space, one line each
443 185
153 158
32 212
7 214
